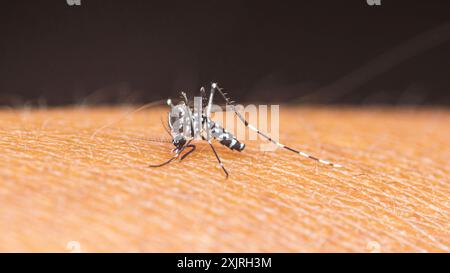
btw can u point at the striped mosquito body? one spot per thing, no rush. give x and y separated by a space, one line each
188 123
225 138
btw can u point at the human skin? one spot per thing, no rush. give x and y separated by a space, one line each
68 183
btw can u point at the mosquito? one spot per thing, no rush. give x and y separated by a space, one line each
185 124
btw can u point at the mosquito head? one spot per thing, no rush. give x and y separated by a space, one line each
179 141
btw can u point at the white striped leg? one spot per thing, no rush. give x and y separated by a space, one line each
251 127
218 158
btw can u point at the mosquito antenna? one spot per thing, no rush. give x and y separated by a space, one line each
126 115
251 127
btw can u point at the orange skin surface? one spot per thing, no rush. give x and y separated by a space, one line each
68 186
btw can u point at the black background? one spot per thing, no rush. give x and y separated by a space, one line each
138 51
280 262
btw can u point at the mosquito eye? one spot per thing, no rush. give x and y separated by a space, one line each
180 141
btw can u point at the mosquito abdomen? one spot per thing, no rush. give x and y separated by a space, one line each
225 138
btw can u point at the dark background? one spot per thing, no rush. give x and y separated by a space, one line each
284 51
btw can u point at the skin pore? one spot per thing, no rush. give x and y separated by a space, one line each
64 188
